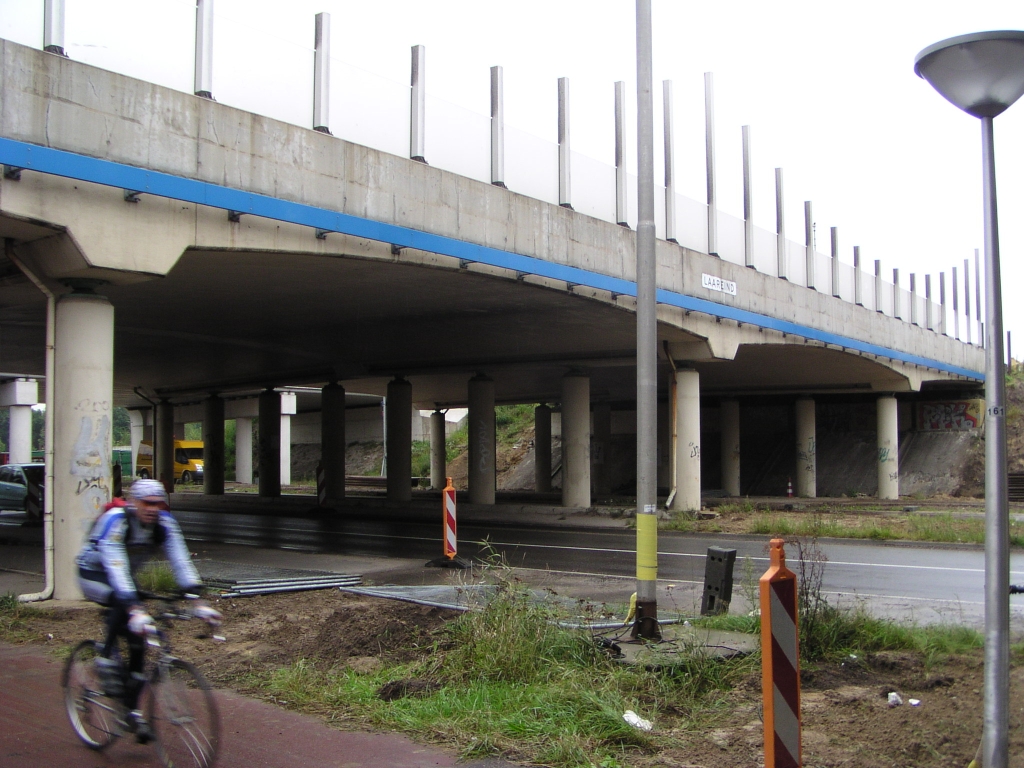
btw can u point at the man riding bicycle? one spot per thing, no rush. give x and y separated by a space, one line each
122 540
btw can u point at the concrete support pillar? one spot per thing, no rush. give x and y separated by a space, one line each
139 429
806 449
542 448
665 462
332 440
213 446
482 471
243 451
601 446
888 449
288 410
576 440
268 452
399 440
729 418
19 438
438 457
82 401
163 444
687 498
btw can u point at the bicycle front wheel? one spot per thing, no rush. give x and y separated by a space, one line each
94 716
184 716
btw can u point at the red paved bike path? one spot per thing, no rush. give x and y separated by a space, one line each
34 731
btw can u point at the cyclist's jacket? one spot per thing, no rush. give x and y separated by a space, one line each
119 545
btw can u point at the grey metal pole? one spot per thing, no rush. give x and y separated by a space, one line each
835 261
564 156
942 303
878 287
646 340
809 243
780 227
913 300
670 164
204 49
897 311
53 27
620 154
322 74
977 297
497 126
709 144
858 289
748 202
929 320
956 307
967 298
997 542
418 105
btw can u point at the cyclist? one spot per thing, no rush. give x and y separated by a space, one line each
122 540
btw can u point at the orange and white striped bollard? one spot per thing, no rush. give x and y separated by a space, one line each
451 542
780 663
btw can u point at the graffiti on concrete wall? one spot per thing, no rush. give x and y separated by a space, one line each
950 415
90 464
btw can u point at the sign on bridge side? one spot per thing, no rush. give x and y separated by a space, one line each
713 283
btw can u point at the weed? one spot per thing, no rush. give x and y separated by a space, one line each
157 577
13 615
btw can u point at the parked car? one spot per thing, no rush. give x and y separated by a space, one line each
14 480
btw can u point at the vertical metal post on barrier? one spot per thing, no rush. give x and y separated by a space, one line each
780 228
451 541
780 663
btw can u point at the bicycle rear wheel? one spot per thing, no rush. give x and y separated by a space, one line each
94 716
184 716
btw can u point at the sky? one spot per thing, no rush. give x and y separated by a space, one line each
828 90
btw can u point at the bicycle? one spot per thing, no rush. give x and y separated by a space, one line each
176 699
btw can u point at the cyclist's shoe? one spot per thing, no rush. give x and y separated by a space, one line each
110 675
138 725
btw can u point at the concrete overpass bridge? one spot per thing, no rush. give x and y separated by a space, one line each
162 248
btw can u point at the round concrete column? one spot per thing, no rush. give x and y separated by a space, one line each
243 451
163 444
438 454
729 418
687 498
601 445
482 474
332 440
399 440
542 448
664 445
888 449
806 450
213 446
268 452
19 438
575 440
82 403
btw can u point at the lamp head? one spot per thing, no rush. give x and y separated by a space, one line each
981 73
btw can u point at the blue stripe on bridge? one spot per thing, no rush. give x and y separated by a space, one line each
72 165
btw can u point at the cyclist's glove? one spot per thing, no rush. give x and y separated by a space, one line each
210 615
140 623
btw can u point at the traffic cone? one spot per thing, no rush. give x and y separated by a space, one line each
789 488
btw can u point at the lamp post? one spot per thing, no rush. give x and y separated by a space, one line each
983 74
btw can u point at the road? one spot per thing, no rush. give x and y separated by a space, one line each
926 583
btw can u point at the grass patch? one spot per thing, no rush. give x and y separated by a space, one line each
945 527
421 458
157 577
507 680
13 619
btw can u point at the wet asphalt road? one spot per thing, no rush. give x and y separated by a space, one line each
929 583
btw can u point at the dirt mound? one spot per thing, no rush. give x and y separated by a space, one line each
973 477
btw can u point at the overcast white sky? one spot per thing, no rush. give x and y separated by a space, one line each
827 88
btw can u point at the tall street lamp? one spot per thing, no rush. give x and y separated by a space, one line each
983 74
